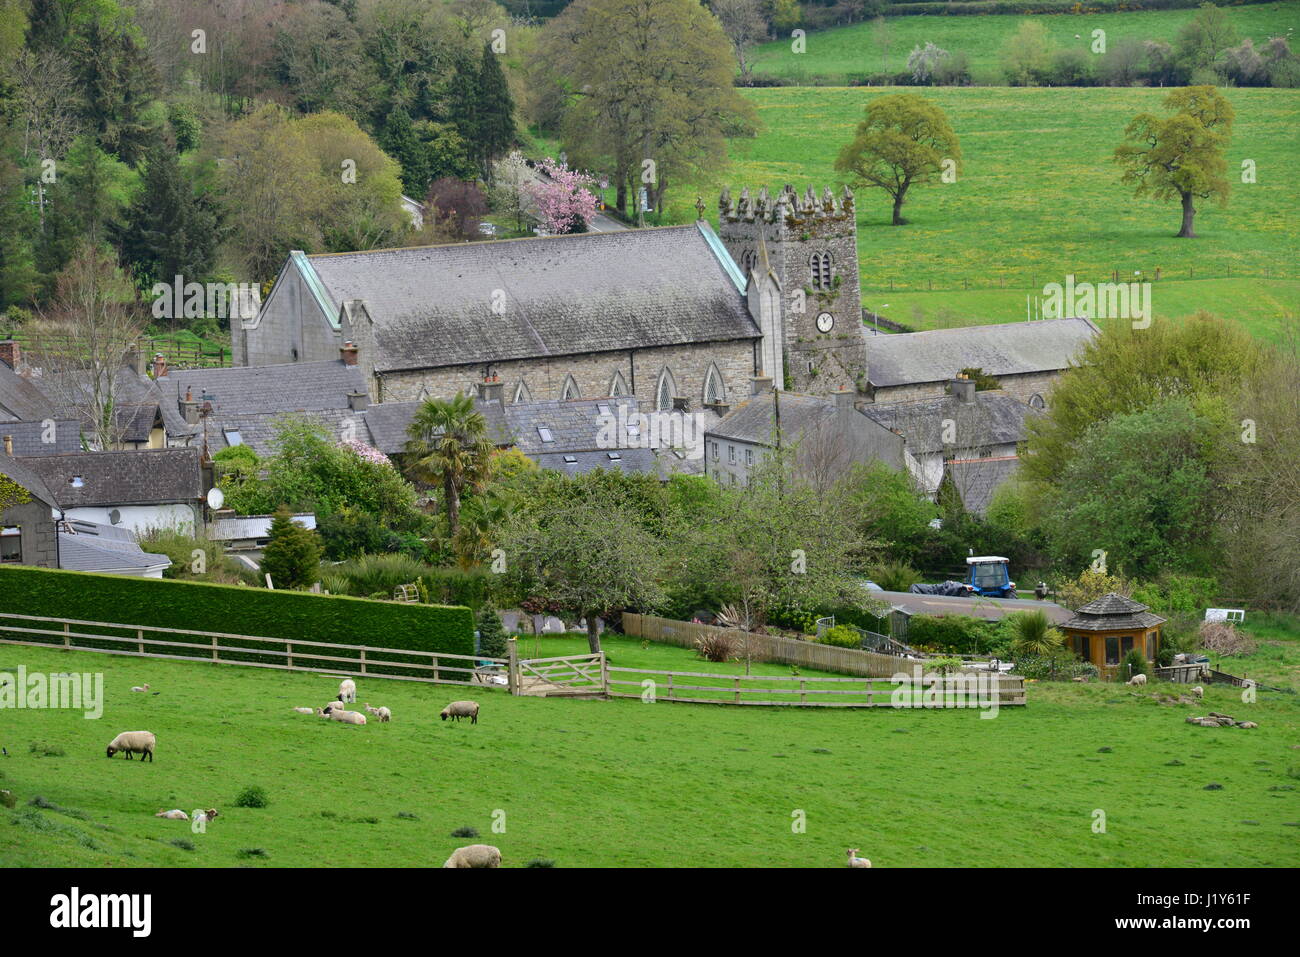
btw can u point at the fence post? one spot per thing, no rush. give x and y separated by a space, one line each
363 661
512 665
67 636
289 647
803 691
214 649
738 689
434 661
604 675
139 639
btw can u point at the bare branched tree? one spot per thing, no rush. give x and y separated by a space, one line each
745 25
47 98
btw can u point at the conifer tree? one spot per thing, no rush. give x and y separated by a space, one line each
292 556
169 231
496 108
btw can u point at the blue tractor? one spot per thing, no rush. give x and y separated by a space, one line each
988 576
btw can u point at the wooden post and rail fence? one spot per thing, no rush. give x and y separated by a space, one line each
577 675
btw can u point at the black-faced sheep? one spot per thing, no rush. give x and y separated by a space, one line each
461 709
347 690
475 855
134 742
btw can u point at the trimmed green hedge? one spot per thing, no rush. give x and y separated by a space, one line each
238 610
1029 7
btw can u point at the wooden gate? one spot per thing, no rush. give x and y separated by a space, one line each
568 675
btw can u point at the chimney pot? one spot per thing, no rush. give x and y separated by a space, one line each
348 353
963 389
358 401
11 354
159 365
845 400
491 389
9 445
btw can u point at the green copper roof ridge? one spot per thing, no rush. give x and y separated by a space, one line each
318 290
723 257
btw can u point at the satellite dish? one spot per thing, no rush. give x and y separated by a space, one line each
216 498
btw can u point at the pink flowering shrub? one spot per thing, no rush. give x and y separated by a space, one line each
367 453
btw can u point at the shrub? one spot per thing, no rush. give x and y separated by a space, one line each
252 852
253 796
465 832
841 636
226 608
1033 634
959 634
292 555
1170 594
1089 586
540 862
1060 666
717 646
1134 663
894 576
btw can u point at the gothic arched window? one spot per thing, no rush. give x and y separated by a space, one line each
521 392
714 390
570 388
748 260
665 391
821 270
618 385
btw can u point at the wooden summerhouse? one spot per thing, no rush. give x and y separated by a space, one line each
1105 630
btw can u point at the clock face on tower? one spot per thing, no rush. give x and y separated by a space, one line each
825 322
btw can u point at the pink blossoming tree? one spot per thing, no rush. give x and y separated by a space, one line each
563 202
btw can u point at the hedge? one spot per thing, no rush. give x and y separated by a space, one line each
1029 7
237 610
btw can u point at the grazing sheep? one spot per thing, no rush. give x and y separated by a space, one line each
348 717
141 688
1198 691
134 742
461 709
347 690
306 710
175 814
855 861
475 855
383 714
1138 679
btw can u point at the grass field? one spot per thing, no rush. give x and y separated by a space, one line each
1038 198
621 783
853 51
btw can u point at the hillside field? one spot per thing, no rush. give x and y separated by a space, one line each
1039 197
622 783
842 53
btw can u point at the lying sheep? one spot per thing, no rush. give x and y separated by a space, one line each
175 814
141 688
461 709
306 710
347 690
1138 679
855 861
475 855
348 717
383 714
134 742
1198 691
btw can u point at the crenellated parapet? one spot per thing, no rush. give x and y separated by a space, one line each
788 206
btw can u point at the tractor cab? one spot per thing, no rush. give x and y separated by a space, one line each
988 576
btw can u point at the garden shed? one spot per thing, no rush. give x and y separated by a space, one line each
1105 630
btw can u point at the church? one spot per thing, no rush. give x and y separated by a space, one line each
676 316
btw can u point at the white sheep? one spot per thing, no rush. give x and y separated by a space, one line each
855 861
141 688
475 855
175 814
1198 691
134 742
306 710
460 709
1138 679
348 717
347 690
203 817
383 714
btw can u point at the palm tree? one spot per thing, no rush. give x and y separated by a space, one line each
1035 635
449 447
483 516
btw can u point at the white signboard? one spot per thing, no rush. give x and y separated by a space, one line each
1225 614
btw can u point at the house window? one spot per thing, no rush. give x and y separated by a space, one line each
11 545
1036 401
749 456
820 264
233 437
715 451
1112 650
731 454
1081 647
1126 644
545 434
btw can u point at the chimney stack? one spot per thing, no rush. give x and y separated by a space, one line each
9 445
845 400
963 389
190 408
10 354
491 390
159 365
761 385
348 353
358 401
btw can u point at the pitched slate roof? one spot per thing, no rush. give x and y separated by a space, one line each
562 295
29 437
92 547
1005 349
977 479
754 420
580 463
20 472
574 424
994 418
21 398
146 477
259 430
388 422
288 387
1113 612
138 403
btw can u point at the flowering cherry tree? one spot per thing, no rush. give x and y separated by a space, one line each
563 202
366 452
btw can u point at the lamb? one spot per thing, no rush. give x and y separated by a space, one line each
175 814
134 742
1138 679
461 709
305 710
1198 691
475 855
347 690
348 717
141 688
383 714
855 861
203 817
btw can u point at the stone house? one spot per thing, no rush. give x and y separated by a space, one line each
28 534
